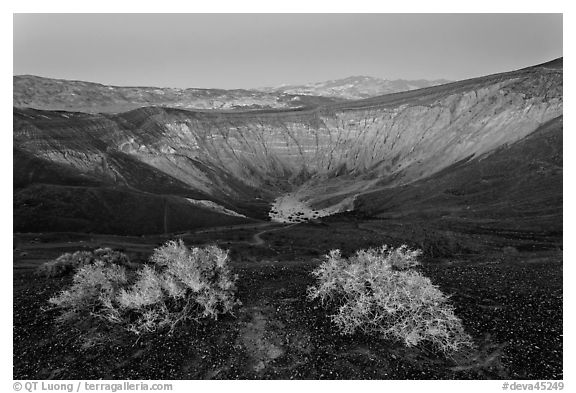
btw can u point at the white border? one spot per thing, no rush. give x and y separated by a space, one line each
304 6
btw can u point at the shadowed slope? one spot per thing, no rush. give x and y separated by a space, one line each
48 208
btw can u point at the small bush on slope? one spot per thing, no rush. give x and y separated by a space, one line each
377 292
70 262
182 284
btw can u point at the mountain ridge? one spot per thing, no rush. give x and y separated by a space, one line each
355 87
38 92
31 91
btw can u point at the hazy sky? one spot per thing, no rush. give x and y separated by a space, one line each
254 50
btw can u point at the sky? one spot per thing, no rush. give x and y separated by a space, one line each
256 50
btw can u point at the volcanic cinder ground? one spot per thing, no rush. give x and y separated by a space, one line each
470 172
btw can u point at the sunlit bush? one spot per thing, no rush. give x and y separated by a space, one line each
185 283
92 294
180 284
378 292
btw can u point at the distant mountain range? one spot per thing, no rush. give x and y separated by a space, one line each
57 94
77 96
356 87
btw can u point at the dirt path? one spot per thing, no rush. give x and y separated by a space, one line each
257 239
230 227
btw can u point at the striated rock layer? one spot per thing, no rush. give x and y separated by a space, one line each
324 156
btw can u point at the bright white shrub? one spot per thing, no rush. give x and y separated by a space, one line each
92 293
187 283
181 284
378 292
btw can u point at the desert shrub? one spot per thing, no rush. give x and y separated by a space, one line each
377 292
64 264
185 283
92 293
180 284
69 262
